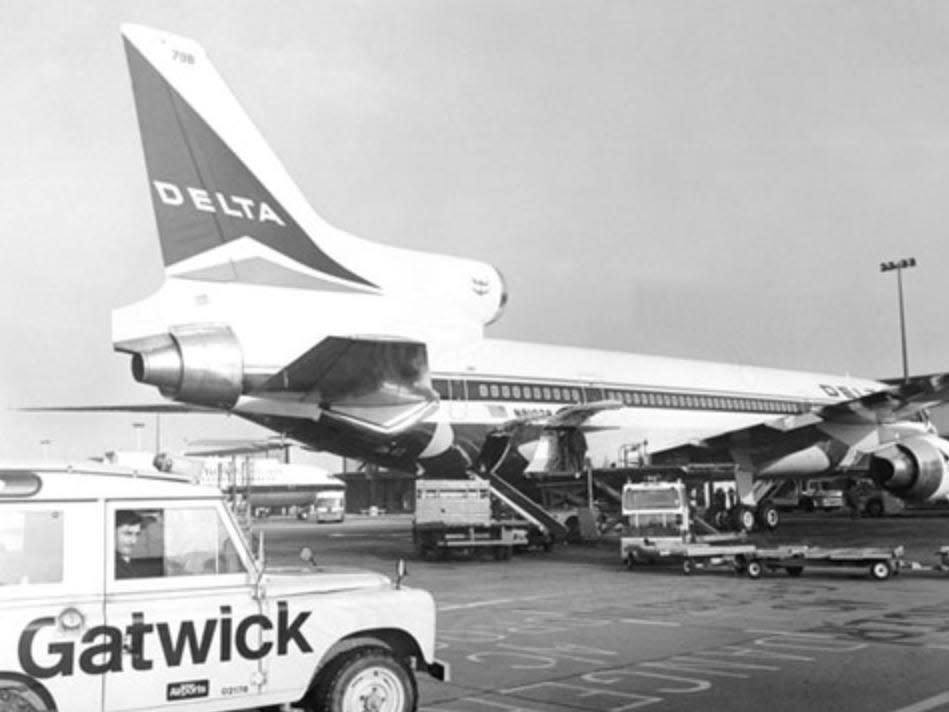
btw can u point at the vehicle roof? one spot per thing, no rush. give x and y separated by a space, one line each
94 481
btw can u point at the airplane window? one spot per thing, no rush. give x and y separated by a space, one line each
31 547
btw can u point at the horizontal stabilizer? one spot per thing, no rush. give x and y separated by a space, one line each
157 408
381 384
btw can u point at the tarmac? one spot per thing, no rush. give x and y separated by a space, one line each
573 629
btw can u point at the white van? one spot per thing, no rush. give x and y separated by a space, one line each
121 592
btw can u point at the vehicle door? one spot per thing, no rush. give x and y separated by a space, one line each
185 598
51 605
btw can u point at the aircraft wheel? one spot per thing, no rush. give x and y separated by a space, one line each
754 569
744 518
768 516
880 570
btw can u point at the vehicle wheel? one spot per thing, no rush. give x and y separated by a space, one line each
874 508
688 566
807 504
768 516
794 571
754 569
880 570
368 678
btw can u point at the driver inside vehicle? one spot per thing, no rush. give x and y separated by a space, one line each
128 529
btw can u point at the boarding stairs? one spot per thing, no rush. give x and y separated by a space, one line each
526 507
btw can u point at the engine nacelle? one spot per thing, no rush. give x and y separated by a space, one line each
916 469
201 364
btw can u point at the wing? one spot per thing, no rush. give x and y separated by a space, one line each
828 433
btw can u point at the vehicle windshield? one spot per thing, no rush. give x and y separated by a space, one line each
651 499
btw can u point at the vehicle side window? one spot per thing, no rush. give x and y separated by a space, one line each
173 542
31 546
197 543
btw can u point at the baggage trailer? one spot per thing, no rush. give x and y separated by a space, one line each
661 527
880 563
456 515
690 556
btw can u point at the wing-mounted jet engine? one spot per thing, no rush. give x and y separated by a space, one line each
915 469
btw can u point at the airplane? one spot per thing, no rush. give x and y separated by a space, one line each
379 353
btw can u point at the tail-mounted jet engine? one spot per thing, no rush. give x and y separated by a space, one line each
916 469
200 364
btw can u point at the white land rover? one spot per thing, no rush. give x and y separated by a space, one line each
121 592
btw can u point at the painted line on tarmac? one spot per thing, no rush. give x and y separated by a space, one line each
924 705
642 621
491 602
793 633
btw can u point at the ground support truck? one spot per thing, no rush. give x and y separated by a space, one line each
460 516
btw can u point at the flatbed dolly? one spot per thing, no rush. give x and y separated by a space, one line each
690 555
880 563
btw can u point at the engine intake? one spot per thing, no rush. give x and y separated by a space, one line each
914 469
201 364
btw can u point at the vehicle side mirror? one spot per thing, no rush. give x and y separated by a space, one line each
400 573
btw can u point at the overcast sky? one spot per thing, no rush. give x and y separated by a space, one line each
705 180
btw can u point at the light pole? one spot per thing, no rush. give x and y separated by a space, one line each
899 266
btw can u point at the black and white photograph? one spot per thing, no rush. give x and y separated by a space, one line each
474 356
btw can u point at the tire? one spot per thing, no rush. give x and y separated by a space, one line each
744 519
880 570
807 504
630 562
794 571
754 569
367 678
688 566
768 516
874 508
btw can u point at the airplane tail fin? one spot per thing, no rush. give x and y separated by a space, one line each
225 206
228 211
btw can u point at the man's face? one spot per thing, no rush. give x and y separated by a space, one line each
126 536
